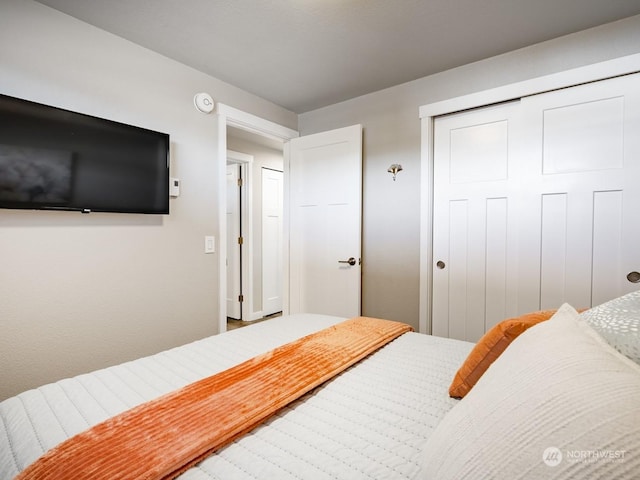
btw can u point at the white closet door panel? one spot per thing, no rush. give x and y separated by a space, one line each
479 152
553 267
630 224
474 226
458 268
583 136
535 204
477 268
580 147
608 276
497 244
566 236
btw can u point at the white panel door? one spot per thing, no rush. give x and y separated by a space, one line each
272 211
325 222
474 221
234 309
536 204
581 166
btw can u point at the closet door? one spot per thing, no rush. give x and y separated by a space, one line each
581 208
536 204
475 221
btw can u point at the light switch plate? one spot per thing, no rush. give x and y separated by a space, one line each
209 244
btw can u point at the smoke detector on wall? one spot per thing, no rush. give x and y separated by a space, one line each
203 102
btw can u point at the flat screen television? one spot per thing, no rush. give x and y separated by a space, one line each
55 159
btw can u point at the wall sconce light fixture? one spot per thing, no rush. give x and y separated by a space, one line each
394 169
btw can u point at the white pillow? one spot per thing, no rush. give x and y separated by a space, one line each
559 403
618 322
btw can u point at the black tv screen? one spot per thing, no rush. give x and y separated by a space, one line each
54 159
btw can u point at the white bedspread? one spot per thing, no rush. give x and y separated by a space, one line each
370 422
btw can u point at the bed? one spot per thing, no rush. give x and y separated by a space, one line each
371 421
389 416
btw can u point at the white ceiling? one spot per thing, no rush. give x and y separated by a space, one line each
305 54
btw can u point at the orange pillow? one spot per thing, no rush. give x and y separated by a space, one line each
489 347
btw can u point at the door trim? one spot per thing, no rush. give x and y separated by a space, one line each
569 78
229 116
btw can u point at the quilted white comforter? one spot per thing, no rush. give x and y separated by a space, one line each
370 422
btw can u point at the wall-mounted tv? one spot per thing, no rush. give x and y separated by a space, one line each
55 159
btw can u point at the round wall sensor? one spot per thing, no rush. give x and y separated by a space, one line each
203 102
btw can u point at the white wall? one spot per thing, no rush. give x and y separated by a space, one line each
79 292
392 135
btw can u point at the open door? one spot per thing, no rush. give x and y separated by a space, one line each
325 217
234 258
272 212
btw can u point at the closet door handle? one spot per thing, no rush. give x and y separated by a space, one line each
634 277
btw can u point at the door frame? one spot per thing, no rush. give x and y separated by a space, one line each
427 113
230 116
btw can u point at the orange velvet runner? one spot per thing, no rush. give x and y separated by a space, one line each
164 437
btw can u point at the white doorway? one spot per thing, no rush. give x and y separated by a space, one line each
229 117
226 119
257 244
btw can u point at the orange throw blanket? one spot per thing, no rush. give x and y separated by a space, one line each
164 437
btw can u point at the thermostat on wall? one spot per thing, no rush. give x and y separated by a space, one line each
174 187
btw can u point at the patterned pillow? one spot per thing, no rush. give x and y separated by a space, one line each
618 322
